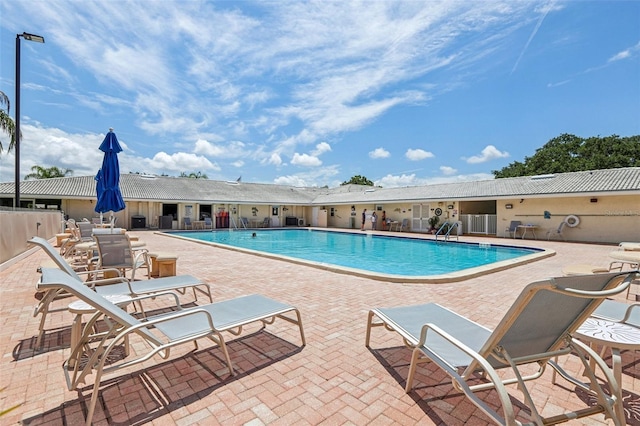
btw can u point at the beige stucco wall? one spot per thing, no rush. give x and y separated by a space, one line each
342 214
611 219
81 209
20 226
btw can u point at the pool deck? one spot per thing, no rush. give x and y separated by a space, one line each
334 379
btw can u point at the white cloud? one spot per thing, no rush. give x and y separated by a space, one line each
448 171
276 77
417 154
394 181
274 159
489 153
232 149
318 177
305 160
391 181
627 53
379 153
321 148
181 162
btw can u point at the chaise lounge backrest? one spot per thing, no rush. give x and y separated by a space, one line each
56 279
55 256
548 311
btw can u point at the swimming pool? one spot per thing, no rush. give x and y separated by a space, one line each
389 258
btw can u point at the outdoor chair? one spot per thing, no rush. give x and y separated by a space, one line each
115 252
512 230
537 328
91 355
557 232
208 223
117 285
80 233
266 223
187 223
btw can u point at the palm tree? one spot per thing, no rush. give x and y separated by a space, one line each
40 172
6 123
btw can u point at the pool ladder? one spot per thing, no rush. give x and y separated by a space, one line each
446 234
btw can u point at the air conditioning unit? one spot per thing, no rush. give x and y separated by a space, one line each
300 222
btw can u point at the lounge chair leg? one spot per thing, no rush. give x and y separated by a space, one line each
219 340
412 369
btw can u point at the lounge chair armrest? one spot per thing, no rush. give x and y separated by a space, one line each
155 295
626 282
448 337
91 283
627 314
477 358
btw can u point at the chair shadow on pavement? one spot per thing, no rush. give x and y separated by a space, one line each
630 401
147 394
53 340
444 405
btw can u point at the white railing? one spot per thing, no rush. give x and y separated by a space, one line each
479 223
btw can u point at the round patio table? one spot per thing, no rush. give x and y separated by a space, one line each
80 308
610 334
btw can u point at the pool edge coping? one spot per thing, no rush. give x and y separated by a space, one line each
462 275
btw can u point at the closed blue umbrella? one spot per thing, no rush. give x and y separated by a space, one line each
108 177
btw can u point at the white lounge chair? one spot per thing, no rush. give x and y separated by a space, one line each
115 252
110 286
536 329
158 334
612 310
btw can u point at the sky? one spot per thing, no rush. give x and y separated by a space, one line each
312 93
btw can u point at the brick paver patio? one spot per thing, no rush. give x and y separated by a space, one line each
334 379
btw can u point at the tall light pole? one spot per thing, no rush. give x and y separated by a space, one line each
37 39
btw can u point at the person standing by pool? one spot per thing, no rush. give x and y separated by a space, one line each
384 220
374 218
364 219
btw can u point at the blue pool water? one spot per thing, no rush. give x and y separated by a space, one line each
381 254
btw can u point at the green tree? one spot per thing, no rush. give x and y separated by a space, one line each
6 122
570 153
358 180
39 172
193 175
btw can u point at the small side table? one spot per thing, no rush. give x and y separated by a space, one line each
614 335
61 237
80 308
163 264
526 229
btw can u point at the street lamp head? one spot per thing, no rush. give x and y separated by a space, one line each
32 37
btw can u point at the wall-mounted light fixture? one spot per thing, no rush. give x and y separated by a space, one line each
508 206
594 200
521 200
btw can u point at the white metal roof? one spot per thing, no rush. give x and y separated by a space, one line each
172 189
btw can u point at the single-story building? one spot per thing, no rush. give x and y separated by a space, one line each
598 205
